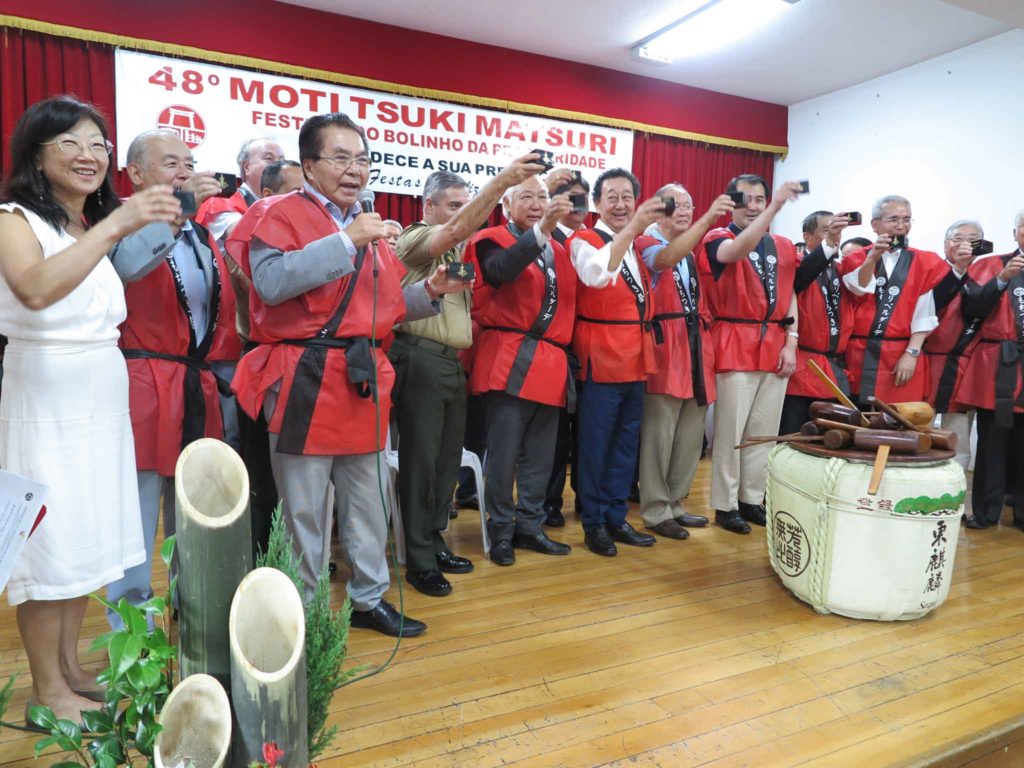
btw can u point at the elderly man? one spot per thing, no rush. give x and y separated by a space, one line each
894 310
430 391
945 347
826 320
679 393
326 291
993 382
748 278
393 230
521 366
614 342
280 178
219 214
572 183
178 338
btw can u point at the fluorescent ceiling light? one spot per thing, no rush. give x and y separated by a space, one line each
707 25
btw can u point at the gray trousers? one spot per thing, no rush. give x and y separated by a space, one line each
521 438
671 439
135 585
304 483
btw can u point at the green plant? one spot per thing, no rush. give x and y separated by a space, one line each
326 636
140 672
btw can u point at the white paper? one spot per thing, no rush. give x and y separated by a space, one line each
20 502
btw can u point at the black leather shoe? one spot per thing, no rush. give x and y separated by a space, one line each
385 619
691 521
430 582
976 524
502 553
753 513
452 511
555 519
540 542
600 542
670 529
448 562
627 534
471 501
732 521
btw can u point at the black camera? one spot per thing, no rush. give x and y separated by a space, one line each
461 270
855 217
546 158
579 203
228 184
188 203
740 198
981 248
670 204
899 242
805 187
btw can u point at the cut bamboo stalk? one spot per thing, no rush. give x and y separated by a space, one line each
196 722
214 549
268 669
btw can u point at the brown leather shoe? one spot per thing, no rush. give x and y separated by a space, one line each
670 529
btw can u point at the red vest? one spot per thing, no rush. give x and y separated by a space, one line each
871 370
947 348
173 403
212 206
826 320
542 300
326 413
685 358
747 330
992 372
613 338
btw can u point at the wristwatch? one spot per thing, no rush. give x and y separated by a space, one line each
793 334
912 352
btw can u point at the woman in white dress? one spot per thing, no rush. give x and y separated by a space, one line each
64 404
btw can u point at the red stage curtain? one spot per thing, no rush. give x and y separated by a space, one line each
34 66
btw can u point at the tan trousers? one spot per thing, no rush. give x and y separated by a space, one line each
749 403
962 424
671 438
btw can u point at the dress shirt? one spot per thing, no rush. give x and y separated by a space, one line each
592 263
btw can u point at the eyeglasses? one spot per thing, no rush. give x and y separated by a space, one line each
897 220
685 208
960 240
344 162
70 146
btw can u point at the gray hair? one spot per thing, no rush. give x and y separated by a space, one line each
1018 220
439 181
880 203
392 221
137 149
965 223
673 186
243 152
508 194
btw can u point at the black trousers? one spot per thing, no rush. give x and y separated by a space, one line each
475 440
998 468
794 413
565 459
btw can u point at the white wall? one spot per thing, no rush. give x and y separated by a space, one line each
948 134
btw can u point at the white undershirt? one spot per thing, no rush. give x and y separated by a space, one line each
592 263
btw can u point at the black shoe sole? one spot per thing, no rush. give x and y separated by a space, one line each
543 551
504 563
456 571
406 632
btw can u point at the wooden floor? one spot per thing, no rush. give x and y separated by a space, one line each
687 654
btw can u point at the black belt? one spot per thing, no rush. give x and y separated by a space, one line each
1011 359
508 329
881 338
418 341
652 325
193 418
784 322
836 361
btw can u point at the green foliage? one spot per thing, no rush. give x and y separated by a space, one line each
326 636
927 505
139 673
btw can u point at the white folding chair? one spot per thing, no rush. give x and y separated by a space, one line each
471 460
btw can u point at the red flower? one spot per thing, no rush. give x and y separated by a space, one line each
271 754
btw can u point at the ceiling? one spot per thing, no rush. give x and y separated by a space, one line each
809 49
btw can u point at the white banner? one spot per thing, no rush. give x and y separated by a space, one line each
214 109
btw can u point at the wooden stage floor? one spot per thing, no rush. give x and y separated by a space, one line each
687 654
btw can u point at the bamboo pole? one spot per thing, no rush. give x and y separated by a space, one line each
268 669
214 550
196 722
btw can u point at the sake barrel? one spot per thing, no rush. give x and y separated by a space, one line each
885 557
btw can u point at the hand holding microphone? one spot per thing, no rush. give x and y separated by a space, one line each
368 226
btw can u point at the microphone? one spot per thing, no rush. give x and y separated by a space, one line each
366 200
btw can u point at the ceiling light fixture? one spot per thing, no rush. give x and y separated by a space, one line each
705 26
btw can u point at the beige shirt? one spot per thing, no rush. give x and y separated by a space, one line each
452 326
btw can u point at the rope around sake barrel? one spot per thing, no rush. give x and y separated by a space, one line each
831 479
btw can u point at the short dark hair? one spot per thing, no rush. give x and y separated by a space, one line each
309 134
26 184
811 222
271 176
749 178
615 173
860 242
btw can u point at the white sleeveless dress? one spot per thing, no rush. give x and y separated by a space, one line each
64 422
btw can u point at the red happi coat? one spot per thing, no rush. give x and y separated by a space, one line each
747 331
172 402
947 349
826 321
540 301
923 272
993 375
327 414
613 338
685 358
212 206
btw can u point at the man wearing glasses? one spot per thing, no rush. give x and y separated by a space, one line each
430 391
327 291
179 337
894 308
